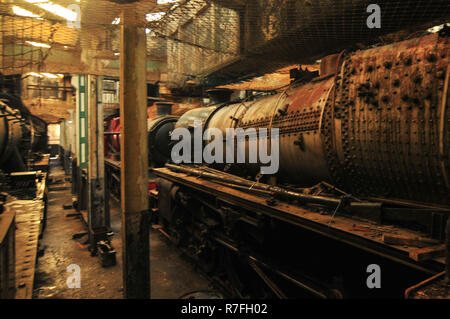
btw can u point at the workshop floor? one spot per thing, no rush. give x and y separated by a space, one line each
171 274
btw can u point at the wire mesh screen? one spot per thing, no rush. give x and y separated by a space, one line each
17 55
208 42
195 37
220 41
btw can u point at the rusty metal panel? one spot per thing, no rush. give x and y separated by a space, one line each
296 113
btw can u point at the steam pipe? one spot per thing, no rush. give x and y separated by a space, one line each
311 199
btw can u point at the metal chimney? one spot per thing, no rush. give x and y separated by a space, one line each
164 108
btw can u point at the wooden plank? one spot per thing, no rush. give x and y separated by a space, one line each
112 163
427 253
392 239
42 165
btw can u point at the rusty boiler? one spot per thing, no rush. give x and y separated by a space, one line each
374 122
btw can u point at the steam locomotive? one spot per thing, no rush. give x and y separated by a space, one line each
22 134
374 123
158 136
363 154
365 142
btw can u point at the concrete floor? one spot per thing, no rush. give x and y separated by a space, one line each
171 274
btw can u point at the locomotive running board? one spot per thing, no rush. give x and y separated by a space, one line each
359 233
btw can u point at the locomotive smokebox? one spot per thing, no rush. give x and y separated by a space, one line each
158 137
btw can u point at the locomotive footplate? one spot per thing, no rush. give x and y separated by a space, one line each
332 246
361 233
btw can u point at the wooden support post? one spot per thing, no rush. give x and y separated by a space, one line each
447 251
243 13
96 166
134 160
